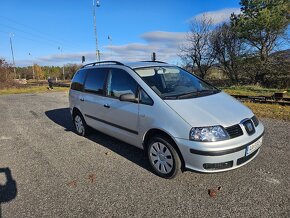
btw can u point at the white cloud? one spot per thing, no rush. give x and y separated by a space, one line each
164 44
160 36
219 16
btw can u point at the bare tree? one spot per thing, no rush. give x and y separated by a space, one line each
229 50
197 51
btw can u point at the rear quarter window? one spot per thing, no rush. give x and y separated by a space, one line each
78 80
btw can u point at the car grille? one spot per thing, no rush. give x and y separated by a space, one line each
234 131
255 120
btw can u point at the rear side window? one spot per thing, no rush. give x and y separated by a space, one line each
78 80
95 81
120 82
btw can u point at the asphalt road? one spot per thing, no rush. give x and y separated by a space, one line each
52 172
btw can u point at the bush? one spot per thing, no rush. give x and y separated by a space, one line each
6 75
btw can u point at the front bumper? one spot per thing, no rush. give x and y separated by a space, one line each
219 156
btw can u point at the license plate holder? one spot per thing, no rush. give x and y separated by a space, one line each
254 146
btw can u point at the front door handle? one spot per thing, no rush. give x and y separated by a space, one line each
106 105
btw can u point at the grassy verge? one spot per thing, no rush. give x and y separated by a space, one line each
270 110
254 91
31 89
262 110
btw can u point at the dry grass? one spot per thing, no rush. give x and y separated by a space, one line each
262 110
31 89
270 110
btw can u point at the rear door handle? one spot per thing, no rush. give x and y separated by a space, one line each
82 99
106 105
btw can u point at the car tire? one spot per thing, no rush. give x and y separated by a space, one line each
80 124
163 157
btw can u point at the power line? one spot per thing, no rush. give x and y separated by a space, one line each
25 32
39 39
31 28
41 34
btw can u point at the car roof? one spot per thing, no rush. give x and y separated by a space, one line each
133 65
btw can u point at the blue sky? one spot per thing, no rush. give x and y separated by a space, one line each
136 27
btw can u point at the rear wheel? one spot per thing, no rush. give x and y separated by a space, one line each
80 124
163 157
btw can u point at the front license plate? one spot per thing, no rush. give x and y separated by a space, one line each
253 147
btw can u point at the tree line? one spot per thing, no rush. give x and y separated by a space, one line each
243 49
37 72
43 72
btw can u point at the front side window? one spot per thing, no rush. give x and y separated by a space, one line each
95 81
144 98
119 83
175 83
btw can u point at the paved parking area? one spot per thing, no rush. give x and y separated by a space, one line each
56 173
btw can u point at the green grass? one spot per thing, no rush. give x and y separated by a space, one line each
31 89
253 91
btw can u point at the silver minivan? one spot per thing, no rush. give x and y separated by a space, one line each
181 121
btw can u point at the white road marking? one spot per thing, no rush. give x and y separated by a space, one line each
272 180
5 138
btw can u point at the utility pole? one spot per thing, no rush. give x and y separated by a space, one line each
11 46
33 72
63 77
96 3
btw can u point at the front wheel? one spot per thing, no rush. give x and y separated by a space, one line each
163 157
80 124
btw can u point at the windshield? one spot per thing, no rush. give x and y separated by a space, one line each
175 83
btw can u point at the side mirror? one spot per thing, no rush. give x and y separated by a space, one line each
128 97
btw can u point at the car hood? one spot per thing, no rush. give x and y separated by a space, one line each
216 109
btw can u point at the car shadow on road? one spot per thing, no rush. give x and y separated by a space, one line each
63 118
8 191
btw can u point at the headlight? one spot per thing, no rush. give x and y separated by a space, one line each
208 134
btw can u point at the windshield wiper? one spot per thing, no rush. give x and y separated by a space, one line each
179 96
170 97
191 94
208 91
187 95
196 93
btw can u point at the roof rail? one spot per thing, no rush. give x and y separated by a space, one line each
102 62
155 62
